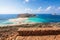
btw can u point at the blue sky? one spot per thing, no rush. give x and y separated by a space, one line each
29 6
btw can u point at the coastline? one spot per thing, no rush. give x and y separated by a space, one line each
30 24
19 29
16 21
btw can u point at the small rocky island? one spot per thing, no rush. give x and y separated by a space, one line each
26 15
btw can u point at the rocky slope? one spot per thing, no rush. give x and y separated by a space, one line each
34 32
46 37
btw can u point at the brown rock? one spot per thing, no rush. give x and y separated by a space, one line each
26 15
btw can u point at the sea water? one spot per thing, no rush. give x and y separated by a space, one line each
5 17
43 18
40 18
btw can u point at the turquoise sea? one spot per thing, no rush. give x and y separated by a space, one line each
40 18
45 18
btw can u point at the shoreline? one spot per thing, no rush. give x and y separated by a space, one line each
21 21
34 24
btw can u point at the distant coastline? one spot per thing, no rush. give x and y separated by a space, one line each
28 18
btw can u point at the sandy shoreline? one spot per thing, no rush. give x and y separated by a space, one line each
16 21
21 21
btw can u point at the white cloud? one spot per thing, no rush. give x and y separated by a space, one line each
26 0
48 8
28 10
8 10
58 8
39 9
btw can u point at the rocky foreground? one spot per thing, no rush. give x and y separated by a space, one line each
44 31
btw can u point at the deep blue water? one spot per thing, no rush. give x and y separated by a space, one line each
39 18
4 18
45 18
7 16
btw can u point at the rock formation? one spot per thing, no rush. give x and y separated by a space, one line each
26 15
22 33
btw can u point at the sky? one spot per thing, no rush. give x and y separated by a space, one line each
29 6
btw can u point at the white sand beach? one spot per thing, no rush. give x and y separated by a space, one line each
16 21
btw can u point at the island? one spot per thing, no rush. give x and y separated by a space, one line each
26 15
